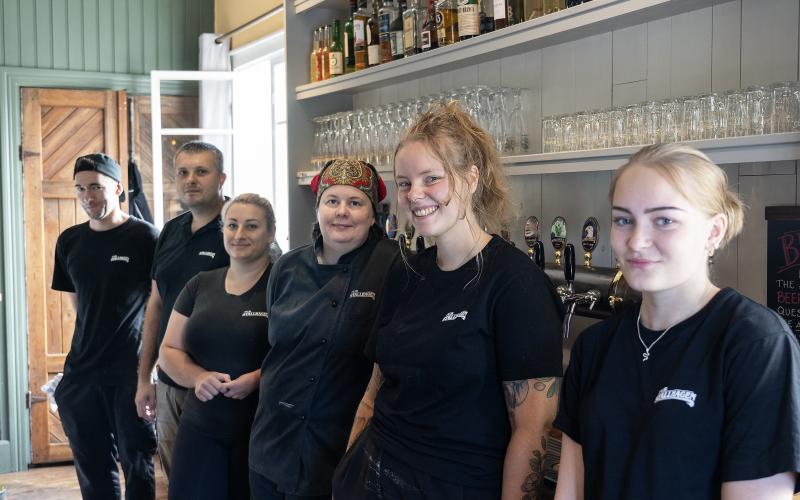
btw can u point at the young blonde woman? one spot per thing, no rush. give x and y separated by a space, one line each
215 341
695 394
467 345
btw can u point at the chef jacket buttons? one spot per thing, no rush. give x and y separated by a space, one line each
312 379
302 417
324 341
345 269
334 303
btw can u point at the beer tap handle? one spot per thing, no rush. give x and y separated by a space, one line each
569 263
420 244
538 254
401 239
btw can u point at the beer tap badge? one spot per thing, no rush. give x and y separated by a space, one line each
589 235
558 233
391 226
531 232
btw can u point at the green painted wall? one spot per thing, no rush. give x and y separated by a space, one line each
115 36
89 39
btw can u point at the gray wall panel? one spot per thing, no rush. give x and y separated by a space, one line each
593 72
691 53
558 79
659 57
758 192
629 93
726 46
630 54
769 41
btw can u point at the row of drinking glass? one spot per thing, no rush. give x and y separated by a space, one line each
755 110
373 133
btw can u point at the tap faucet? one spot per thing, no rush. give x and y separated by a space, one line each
538 254
569 297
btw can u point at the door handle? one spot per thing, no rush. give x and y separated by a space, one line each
31 399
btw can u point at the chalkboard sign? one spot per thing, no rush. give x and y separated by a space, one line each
783 263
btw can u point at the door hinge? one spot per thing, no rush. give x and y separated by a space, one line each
20 152
30 399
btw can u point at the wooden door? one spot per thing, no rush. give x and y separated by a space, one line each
58 126
176 112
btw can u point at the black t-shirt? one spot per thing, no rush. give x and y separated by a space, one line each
445 342
315 372
228 334
180 255
718 400
110 273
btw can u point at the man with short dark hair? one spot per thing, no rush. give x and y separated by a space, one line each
190 243
104 266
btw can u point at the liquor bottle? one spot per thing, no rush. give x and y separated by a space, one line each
411 43
551 6
321 56
486 16
326 51
348 45
515 10
500 14
537 9
428 38
360 35
468 19
387 15
313 71
336 52
446 22
398 48
373 36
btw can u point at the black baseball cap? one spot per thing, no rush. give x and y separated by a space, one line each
102 163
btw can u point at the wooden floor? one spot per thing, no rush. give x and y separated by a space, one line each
58 482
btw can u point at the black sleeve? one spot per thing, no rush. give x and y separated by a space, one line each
761 435
159 242
185 302
569 402
396 280
152 245
61 279
527 329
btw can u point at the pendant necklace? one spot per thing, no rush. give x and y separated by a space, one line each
646 353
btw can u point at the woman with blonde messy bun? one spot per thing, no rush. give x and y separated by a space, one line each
695 393
467 344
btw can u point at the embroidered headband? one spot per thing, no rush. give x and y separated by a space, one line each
356 173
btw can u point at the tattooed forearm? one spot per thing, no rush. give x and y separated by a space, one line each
516 392
549 384
534 482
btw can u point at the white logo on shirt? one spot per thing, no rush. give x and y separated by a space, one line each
123 258
249 313
451 316
363 295
207 254
684 395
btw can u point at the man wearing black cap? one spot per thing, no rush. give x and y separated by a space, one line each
190 243
104 267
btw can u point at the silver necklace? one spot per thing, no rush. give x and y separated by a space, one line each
646 353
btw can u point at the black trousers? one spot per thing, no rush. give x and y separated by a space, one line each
368 472
102 426
204 467
264 489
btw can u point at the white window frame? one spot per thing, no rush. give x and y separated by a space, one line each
156 77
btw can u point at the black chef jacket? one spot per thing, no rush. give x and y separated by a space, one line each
180 255
315 373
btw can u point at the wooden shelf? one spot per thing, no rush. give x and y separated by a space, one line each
597 16
305 5
747 149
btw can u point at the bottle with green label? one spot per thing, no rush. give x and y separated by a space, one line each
336 51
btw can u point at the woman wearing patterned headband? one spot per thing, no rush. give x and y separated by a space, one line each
322 299
695 394
468 341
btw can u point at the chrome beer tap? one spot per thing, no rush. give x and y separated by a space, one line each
569 297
